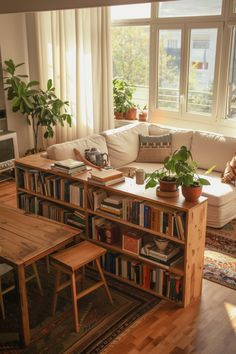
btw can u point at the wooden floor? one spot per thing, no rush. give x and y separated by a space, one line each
208 327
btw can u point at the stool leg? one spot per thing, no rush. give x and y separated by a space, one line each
37 278
74 300
55 295
104 280
83 276
1 300
48 264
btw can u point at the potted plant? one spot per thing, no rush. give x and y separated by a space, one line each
165 176
187 177
124 108
142 116
42 108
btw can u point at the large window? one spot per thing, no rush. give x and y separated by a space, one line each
201 70
177 56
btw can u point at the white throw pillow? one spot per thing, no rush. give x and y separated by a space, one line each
123 143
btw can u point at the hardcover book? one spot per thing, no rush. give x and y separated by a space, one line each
105 175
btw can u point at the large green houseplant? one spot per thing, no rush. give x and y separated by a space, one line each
42 108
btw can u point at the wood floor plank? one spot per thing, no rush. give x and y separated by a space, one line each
207 327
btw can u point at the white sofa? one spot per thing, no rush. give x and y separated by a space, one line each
122 146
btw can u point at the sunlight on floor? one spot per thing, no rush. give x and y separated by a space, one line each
231 312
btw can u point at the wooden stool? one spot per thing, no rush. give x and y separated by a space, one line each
69 261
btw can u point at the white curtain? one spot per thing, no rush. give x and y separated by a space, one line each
75 52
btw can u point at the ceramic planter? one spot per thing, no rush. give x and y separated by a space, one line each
142 117
168 186
119 115
191 194
131 114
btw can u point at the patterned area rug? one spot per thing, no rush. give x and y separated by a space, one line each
100 321
220 255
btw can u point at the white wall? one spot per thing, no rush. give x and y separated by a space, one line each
13 43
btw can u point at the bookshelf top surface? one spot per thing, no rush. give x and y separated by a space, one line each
127 188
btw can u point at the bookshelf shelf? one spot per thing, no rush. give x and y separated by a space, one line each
181 282
138 227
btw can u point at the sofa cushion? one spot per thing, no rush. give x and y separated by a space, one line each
154 148
66 150
180 137
212 149
123 143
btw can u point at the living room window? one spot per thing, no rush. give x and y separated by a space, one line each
176 55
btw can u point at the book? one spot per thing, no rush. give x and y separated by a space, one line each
114 200
69 171
69 163
109 209
98 196
105 175
108 183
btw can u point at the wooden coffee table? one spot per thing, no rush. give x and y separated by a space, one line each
24 239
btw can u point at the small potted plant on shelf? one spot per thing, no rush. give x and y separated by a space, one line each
131 111
142 116
187 176
122 97
165 177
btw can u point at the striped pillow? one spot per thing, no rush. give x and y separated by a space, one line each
154 148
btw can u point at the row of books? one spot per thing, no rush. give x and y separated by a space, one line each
145 214
35 205
158 280
103 230
50 185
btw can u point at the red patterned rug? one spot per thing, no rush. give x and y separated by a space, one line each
220 255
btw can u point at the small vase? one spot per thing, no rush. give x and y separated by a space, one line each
191 194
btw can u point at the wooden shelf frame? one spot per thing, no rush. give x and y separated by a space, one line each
193 246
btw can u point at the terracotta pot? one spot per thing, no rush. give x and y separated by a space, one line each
167 186
142 117
191 194
119 115
131 114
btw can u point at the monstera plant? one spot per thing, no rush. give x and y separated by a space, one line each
41 108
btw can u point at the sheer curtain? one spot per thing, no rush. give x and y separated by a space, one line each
75 52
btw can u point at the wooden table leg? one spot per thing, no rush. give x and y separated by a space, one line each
23 305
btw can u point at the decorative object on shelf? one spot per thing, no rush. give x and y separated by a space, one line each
229 175
169 194
142 116
96 157
42 108
122 99
140 176
161 243
131 241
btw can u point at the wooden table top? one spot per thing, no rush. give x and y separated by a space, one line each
24 238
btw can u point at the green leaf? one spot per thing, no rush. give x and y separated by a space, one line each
203 182
28 103
151 184
49 84
32 83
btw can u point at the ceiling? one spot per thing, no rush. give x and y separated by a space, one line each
12 6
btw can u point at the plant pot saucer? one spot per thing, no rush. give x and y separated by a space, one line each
172 194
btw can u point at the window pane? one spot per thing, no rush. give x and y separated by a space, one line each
231 109
130 11
183 8
169 55
130 51
201 70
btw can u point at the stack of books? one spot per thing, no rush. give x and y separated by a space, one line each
170 256
106 177
69 166
113 205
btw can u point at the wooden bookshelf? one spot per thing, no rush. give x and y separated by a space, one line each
187 273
